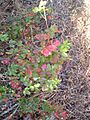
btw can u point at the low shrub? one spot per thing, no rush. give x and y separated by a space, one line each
36 56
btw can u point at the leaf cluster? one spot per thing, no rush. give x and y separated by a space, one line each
37 58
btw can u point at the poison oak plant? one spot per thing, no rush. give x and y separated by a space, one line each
37 57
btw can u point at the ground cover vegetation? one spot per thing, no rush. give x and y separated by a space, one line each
34 59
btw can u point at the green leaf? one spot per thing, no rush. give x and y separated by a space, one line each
35 10
31 88
25 51
64 48
48 118
37 85
51 30
36 100
51 0
2 89
41 7
12 43
19 43
64 54
46 107
28 19
25 80
36 78
51 84
4 37
12 70
42 59
35 74
42 3
12 51
26 91
22 56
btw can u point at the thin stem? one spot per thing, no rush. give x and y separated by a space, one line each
5 112
32 34
45 17
42 15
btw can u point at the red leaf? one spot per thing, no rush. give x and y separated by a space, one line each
44 66
28 71
46 52
51 48
14 85
64 115
42 36
49 17
17 95
58 31
56 42
28 14
57 115
6 61
5 100
38 70
0 94
26 31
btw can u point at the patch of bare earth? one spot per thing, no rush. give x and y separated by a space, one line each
73 17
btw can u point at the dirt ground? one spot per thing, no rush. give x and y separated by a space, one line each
73 18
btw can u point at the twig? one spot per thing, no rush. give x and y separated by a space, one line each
45 17
12 113
5 112
32 34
